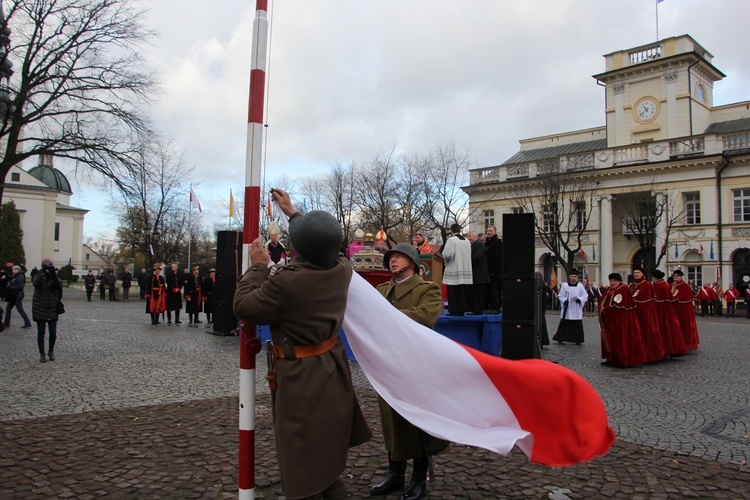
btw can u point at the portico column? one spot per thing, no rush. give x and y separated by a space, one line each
660 230
605 236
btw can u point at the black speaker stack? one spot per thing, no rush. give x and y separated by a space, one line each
522 302
228 269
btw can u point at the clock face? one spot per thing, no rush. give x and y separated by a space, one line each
646 110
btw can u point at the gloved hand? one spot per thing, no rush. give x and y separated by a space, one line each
578 301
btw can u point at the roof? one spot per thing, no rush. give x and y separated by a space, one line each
555 151
741 125
52 177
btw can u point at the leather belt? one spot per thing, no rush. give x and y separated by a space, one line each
306 351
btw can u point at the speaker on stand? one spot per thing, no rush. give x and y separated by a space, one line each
521 287
228 269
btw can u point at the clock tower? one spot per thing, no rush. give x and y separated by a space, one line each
663 90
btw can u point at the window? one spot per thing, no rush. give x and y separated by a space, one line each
517 210
15 177
580 216
57 231
489 219
88 257
695 273
549 217
692 208
741 205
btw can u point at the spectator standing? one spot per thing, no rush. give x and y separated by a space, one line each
102 277
47 294
194 297
730 295
89 282
716 296
175 283
14 294
704 299
126 279
315 411
143 282
495 263
112 286
209 285
480 273
421 301
457 275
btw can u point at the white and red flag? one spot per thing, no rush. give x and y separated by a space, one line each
468 397
194 201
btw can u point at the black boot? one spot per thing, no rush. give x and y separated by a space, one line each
394 478
418 484
51 355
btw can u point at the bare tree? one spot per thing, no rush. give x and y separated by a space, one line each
642 213
333 193
77 85
444 201
562 204
155 214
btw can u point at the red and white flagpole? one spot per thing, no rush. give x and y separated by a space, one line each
249 342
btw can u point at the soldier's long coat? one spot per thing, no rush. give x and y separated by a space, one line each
316 414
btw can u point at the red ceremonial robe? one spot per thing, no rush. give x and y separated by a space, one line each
645 308
674 341
620 329
157 299
682 297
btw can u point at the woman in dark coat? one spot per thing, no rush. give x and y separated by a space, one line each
47 294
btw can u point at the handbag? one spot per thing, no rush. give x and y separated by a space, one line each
60 307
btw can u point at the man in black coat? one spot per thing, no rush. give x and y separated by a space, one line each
494 246
174 294
480 272
143 282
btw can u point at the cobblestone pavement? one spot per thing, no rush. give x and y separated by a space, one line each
132 410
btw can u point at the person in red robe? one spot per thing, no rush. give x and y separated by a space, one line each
682 297
645 308
620 330
669 325
156 298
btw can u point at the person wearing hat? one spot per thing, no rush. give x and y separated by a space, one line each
421 301
316 414
645 308
668 324
682 298
209 285
357 245
194 297
421 244
156 297
175 281
47 294
14 295
622 344
572 297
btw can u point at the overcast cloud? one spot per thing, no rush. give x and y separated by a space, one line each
349 78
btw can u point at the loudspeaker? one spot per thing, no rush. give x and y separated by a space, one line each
228 269
519 299
520 340
229 252
518 240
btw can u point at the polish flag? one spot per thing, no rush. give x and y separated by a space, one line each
194 201
467 397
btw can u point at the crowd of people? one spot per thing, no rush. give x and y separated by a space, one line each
164 291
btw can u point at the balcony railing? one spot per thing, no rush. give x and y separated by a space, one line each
736 141
632 226
687 147
647 54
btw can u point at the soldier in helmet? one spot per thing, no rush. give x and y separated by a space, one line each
422 301
316 414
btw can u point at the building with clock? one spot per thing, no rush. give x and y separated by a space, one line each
665 182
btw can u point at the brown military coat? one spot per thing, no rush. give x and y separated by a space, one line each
421 301
316 414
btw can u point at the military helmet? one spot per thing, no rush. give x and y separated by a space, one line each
405 249
317 237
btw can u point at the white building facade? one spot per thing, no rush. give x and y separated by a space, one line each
664 144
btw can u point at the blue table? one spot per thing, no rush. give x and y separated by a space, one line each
483 332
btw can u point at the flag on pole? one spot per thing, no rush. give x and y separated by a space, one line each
593 253
194 201
507 403
711 254
701 248
553 278
676 252
231 204
582 254
151 249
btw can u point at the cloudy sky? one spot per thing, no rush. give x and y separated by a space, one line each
350 78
